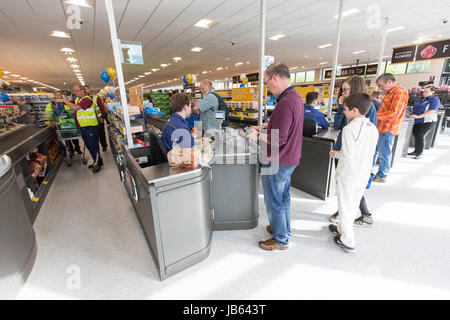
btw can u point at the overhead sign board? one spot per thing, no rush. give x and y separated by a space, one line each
420 52
131 52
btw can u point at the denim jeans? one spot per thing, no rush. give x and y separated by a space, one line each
384 152
278 203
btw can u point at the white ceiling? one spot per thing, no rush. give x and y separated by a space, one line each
166 30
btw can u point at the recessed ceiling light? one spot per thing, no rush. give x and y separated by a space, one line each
59 34
147 73
141 76
154 70
196 49
6 72
82 3
278 37
205 23
325 46
176 59
163 65
395 29
293 68
219 68
348 13
238 64
23 78
66 50
204 72
439 36
358 52
71 59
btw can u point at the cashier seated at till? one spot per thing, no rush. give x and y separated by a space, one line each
312 98
176 131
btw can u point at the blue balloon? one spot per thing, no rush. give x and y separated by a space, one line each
242 85
111 95
5 97
184 80
105 77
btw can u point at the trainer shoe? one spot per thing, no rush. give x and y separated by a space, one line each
96 168
338 241
333 229
363 221
271 245
334 218
104 149
378 179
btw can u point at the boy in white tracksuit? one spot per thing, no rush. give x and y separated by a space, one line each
359 141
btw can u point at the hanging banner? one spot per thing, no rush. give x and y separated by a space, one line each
371 69
403 54
349 71
252 77
433 50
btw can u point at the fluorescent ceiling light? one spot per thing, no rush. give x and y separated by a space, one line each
176 59
395 29
66 50
358 52
82 3
293 68
71 59
196 49
147 73
15 75
439 36
323 63
154 70
348 13
238 64
6 72
59 34
325 46
205 23
219 68
23 78
163 65
204 72
141 76
278 37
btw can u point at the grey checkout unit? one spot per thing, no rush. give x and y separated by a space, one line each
179 208
20 201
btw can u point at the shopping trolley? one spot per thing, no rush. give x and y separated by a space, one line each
66 130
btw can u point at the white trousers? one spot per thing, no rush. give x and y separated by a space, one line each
349 198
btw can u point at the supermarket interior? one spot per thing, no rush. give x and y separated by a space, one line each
96 202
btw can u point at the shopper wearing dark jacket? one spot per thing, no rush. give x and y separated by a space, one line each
352 85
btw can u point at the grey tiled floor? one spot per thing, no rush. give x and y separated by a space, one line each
87 224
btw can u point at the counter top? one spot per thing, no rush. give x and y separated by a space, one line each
327 134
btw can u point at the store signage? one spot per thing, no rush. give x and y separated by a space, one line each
348 72
371 69
433 50
131 52
246 94
424 51
252 77
324 92
447 66
403 54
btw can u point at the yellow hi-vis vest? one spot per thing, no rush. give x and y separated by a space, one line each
98 111
88 117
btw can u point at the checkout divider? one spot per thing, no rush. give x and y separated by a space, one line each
179 208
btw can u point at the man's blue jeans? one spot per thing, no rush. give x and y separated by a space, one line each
278 203
384 152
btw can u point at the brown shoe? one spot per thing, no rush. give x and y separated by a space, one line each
269 229
271 244
378 179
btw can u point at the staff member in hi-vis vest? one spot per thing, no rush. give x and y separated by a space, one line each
101 116
86 120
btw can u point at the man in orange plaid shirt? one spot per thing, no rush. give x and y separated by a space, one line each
389 121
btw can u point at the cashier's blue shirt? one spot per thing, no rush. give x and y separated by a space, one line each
183 136
318 116
426 104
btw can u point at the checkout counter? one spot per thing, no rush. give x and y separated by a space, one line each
179 208
20 201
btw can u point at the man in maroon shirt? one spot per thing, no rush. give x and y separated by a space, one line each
285 132
101 122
